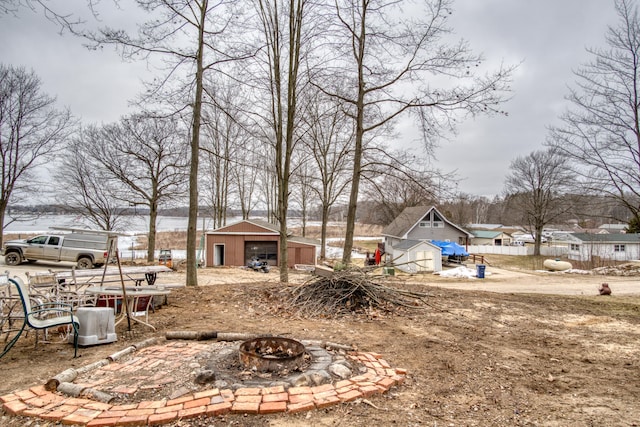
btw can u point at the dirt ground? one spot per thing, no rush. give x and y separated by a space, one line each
516 348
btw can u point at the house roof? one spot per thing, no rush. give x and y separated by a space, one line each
614 226
608 238
485 226
486 234
409 218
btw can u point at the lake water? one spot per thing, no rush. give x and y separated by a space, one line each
137 225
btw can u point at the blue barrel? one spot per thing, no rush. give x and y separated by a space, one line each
480 270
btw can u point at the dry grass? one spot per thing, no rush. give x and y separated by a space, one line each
527 262
16 236
362 230
531 262
166 240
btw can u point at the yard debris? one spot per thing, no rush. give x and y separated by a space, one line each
351 290
627 269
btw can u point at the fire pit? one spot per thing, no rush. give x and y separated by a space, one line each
272 354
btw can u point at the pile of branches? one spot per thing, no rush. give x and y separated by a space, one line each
350 291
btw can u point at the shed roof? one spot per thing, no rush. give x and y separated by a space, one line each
266 226
486 234
409 244
304 241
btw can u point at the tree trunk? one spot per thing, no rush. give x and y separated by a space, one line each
323 232
192 227
3 209
357 152
153 218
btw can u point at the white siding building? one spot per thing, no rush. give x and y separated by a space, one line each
614 247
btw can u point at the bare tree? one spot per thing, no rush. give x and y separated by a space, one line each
66 21
328 137
189 35
383 49
86 187
393 181
600 134
31 130
537 185
246 182
223 140
281 24
146 155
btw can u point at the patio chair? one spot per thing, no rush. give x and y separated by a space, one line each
49 287
43 316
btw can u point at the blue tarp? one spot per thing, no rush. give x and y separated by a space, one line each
450 248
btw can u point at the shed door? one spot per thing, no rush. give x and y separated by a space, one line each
265 251
218 254
424 261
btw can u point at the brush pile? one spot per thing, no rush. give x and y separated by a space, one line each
349 291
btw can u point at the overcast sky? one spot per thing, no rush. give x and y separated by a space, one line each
548 38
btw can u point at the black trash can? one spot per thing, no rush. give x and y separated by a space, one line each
480 271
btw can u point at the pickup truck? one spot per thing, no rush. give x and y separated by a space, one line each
87 249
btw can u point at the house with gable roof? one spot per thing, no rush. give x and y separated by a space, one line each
416 225
490 237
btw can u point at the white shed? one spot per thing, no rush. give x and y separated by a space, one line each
413 256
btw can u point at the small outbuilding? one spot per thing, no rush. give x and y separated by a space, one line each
236 244
417 256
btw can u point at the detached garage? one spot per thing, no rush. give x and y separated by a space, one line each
236 244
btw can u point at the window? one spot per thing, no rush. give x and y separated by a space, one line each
38 240
53 240
618 248
425 224
437 221
574 247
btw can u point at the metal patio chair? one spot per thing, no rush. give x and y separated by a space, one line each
49 287
42 316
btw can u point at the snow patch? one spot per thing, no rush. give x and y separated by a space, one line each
461 272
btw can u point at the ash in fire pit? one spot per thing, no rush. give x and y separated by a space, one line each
272 354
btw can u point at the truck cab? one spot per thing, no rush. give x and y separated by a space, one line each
43 248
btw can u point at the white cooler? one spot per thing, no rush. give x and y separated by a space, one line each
96 326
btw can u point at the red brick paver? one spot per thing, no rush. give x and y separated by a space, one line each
37 402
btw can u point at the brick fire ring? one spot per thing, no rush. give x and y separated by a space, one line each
38 402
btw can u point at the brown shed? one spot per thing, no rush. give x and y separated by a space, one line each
235 244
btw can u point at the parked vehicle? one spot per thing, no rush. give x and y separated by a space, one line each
87 248
256 265
165 258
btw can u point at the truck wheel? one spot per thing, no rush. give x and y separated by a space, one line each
84 263
13 258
